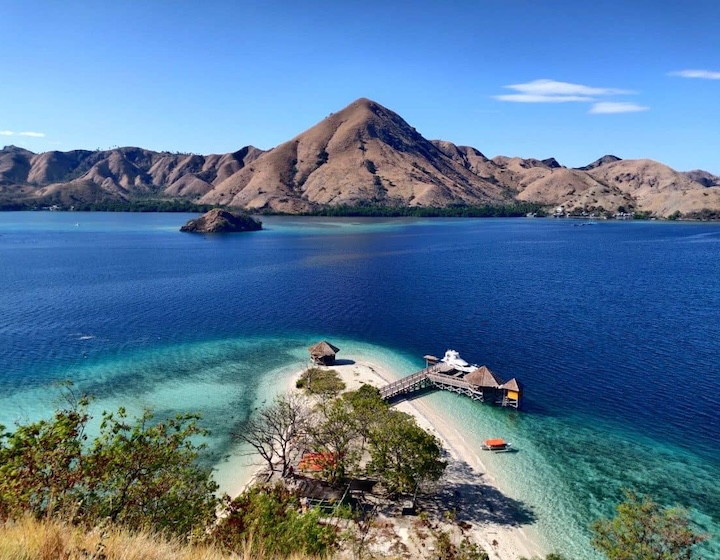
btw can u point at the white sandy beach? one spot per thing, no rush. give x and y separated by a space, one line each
466 483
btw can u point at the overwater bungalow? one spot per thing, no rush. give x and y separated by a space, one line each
452 373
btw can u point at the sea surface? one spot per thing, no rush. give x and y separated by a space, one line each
613 328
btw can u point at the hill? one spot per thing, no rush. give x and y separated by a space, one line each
364 154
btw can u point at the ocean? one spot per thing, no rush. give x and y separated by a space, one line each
613 329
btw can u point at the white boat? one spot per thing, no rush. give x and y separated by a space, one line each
452 358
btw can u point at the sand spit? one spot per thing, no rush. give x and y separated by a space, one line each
491 519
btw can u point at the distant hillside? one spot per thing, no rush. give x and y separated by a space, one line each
363 155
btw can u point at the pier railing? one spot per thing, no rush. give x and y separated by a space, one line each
407 384
431 377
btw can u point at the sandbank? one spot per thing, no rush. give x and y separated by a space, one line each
466 487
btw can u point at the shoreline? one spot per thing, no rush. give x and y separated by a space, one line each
466 481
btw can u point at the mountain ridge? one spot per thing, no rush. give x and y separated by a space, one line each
363 154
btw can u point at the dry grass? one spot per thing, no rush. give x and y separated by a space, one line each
29 539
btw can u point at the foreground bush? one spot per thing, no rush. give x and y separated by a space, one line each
137 473
271 517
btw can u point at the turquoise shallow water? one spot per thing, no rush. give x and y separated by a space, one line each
612 328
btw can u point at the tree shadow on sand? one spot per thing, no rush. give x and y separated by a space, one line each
463 491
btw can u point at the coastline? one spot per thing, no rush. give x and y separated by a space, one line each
466 482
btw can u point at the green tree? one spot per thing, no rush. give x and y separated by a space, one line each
336 434
141 472
136 472
402 454
270 519
368 408
42 464
643 530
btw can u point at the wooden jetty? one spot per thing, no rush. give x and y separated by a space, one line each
478 383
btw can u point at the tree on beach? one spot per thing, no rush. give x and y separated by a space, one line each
336 434
402 454
644 530
368 408
277 432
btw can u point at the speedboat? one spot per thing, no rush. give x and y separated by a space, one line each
452 358
498 445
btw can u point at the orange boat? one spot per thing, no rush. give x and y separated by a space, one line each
498 445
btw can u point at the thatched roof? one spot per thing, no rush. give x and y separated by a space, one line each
323 348
483 377
512 385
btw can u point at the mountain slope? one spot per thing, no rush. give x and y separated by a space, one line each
657 188
364 153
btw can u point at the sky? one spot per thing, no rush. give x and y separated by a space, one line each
569 79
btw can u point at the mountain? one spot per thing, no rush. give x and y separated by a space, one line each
598 162
123 174
363 154
703 177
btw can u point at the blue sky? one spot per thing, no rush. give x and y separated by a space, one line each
534 78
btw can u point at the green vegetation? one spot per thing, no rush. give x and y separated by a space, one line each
271 520
317 381
322 157
643 530
145 205
703 215
136 473
515 209
136 492
402 454
642 215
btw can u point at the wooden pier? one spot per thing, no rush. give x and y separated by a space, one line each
481 384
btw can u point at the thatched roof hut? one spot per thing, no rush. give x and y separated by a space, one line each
512 385
323 353
483 377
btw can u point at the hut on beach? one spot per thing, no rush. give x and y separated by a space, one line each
323 353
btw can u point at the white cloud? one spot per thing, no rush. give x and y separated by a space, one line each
536 98
551 87
612 107
29 133
703 74
551 91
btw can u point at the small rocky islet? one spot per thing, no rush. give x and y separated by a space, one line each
218 220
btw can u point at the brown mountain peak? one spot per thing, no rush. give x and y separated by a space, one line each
609 158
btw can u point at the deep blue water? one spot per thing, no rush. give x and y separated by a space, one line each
613 328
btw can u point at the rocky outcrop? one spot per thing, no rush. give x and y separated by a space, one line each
222 221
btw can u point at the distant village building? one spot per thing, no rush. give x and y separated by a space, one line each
323 353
